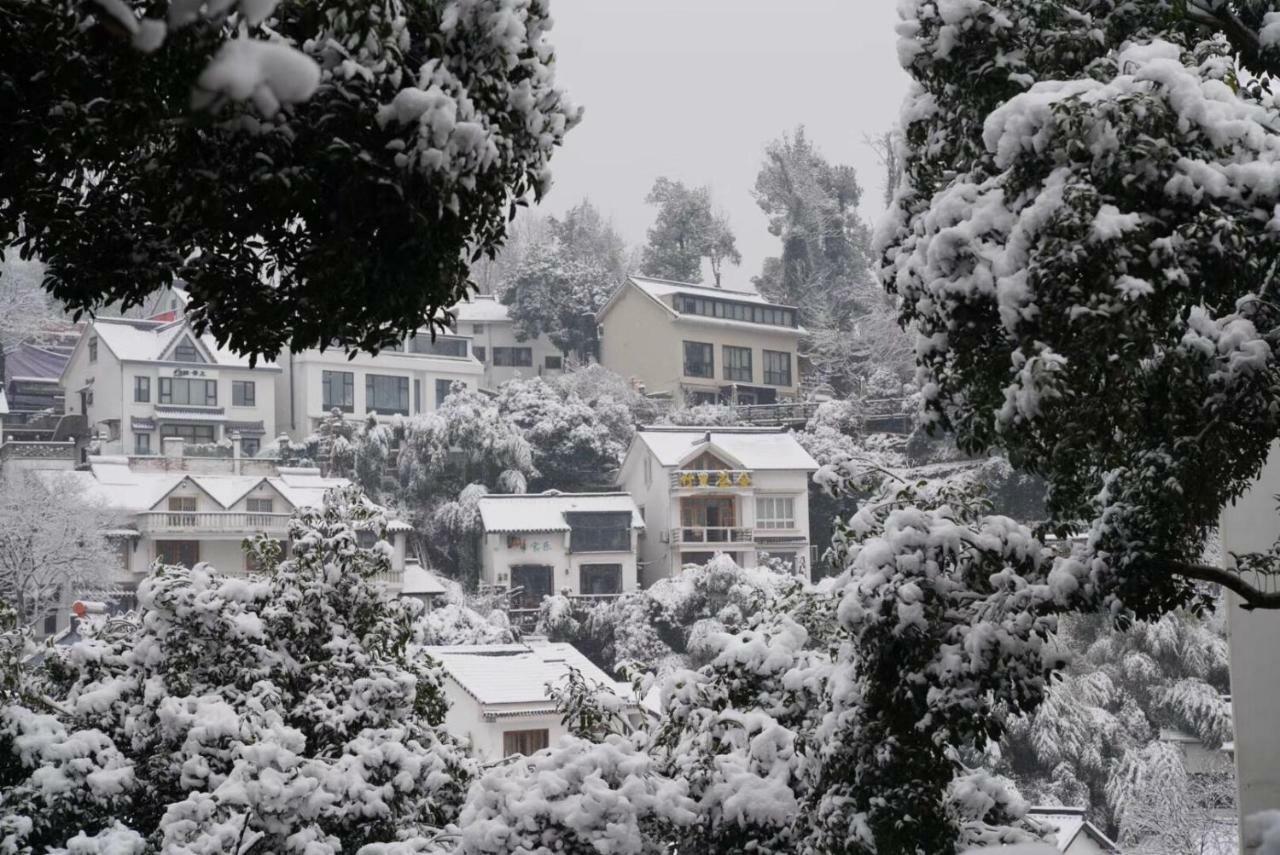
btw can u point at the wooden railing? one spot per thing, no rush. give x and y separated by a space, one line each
211 522
710 534
710 479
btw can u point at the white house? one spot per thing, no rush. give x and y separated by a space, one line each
738 490
701 344
495 345
498 699
1076 835
544 543
137 382
185 517
411 378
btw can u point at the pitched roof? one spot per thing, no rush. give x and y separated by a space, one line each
753 448
148 341
481 308
31 361
1070 823
545 511
661 291
418 580
497 674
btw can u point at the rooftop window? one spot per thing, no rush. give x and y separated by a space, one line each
732 310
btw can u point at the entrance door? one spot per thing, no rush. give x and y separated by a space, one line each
535 579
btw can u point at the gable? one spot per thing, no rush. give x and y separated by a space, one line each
708 456
185 348
181 489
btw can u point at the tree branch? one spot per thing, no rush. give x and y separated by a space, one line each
1253 597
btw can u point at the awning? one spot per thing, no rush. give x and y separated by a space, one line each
141 423
246 428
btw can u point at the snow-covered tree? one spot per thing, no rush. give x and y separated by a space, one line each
52 547
25 307
461 618
276 713
1083 241
686 230
575 445
247 147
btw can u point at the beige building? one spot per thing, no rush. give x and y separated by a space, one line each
138 382
739 491
700 344
494 343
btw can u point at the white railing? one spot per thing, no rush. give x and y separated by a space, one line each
211 522
710 534
710 479
392 578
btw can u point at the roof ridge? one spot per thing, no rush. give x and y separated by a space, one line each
716 288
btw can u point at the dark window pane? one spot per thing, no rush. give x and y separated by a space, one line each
698 359
386 394
737 363
339 390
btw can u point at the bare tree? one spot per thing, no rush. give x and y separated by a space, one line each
886 152
52 545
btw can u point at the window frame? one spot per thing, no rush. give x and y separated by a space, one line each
734 364
771 375
188 346
141 389
168 385
780 512
708 351
142 438
513 357
525 742
346 383
479 352
448 389
371 384
242 386
177 431
558 362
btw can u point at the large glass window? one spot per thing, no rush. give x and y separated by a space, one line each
525 741
513 357
338 390
775 512
185 553
699 359
243 393
600 579
596 531
777 368
142 389
714 307
188 391
737 363
554 363
190 433
443 388
386 394
442 346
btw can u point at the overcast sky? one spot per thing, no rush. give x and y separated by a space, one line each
695 89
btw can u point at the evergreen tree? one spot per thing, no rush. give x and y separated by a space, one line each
685 231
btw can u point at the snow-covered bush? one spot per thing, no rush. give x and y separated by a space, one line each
703 415
463 619
280 711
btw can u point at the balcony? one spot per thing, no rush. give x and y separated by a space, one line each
710 534
711 479
219 523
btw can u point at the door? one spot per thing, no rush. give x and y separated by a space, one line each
535 580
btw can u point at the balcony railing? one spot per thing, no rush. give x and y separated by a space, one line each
710 479
211 522
710 534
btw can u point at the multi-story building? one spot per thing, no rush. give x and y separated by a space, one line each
583 544
187 511
702 491
411 378
496 346
137 382
700 344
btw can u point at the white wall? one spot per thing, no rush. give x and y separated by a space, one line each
491 334
1250 525
465 720
497 558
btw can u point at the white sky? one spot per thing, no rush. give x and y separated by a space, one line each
695 89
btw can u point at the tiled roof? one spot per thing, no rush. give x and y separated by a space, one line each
752 448
545 511
496 674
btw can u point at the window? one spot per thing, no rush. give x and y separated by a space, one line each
600 579
243 393
142 443
524 741
775 512
777 368
476 329
93 349
713 307
699 359
257 507
417 395
737 363
479 352
599 531
513 357
386 394
191 433
250 446
442 346
182 552
142 389
186 352
338 390
188 391
443 388
182 512
554 363
51 624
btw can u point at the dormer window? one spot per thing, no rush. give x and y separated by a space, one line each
186 352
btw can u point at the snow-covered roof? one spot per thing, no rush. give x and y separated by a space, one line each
419 581
1070 823
662 292
113 482
750 448
482 308
545 511
500 674
150 341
